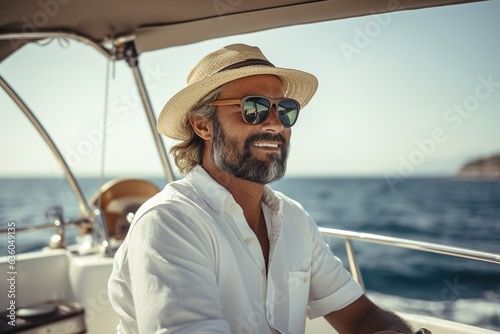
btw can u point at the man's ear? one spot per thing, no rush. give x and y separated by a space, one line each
201 126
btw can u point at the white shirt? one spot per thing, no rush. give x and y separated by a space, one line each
191 264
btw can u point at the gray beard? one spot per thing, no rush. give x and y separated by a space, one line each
242 164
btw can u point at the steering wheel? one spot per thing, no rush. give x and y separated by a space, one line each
119 200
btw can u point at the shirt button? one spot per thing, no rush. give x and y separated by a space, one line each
263 272
305 279
269 315
249 241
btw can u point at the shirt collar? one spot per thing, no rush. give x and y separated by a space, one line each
272 200
215 195
219 199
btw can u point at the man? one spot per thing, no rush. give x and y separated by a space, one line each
219 251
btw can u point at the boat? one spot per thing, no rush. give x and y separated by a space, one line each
62 288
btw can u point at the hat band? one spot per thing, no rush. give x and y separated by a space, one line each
246 62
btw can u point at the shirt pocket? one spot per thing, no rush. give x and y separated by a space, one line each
298 292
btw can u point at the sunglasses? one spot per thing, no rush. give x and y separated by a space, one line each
255 109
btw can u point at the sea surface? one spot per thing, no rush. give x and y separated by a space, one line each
440 210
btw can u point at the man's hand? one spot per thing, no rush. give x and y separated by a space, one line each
362 316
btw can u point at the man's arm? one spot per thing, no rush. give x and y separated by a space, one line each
364 317
172 277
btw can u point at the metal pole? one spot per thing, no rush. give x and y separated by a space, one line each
84 208
133 62
353 264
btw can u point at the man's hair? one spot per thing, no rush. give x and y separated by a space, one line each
188 153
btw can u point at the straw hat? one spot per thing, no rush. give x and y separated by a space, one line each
222 66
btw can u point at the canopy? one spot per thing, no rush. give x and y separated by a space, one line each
156 24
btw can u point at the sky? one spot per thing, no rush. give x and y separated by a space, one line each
404 94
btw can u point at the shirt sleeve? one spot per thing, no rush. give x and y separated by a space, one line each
172 275
332 287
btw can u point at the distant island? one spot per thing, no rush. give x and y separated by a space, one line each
487 168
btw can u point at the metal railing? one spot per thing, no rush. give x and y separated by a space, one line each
349 236
91 214
97 225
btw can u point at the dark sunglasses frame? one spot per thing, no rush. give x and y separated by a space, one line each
270 101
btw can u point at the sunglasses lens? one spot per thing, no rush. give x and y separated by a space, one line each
256 109
288 111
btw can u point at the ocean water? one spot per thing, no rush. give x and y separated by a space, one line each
447 211
453 212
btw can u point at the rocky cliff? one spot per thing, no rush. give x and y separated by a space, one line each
488 168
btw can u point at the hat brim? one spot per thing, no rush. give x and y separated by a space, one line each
297 85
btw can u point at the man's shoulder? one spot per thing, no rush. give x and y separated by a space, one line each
173 197
174 194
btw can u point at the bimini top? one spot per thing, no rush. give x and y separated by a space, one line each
158 24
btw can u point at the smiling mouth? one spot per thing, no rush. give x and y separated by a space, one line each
270 145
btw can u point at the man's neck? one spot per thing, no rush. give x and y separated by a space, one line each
247 194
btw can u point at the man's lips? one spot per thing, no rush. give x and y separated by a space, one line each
266 144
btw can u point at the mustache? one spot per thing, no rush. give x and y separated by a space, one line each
266 137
